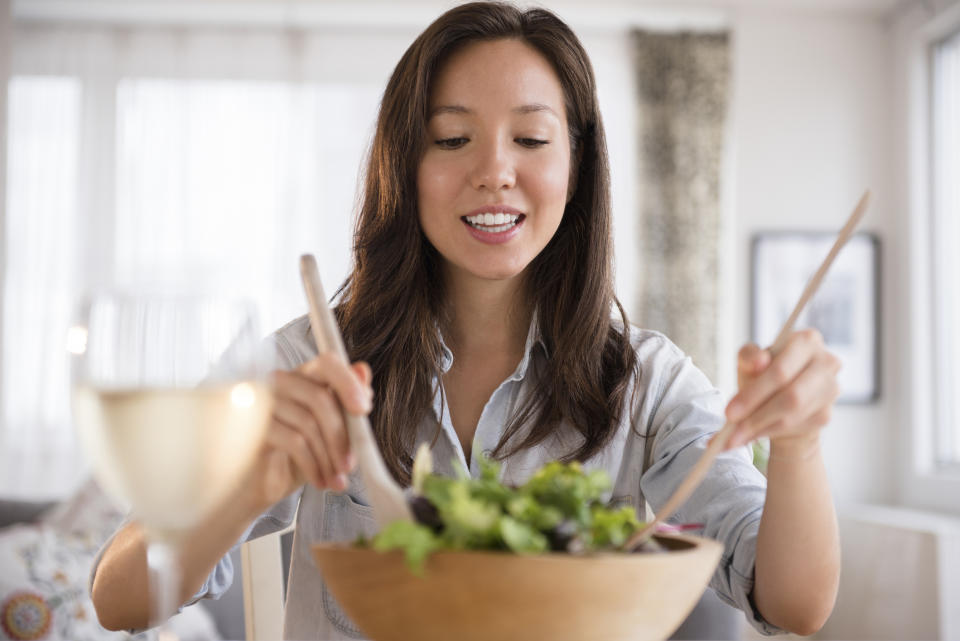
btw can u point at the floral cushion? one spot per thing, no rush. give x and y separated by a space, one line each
45 569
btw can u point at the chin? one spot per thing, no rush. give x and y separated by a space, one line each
500 271
506 275
488 269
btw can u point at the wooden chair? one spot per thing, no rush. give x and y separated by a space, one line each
263 589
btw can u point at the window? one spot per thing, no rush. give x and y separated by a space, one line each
42 189
117 174
945 207
927 90
233 180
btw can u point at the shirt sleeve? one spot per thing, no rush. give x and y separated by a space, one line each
278 517
687 410
277 349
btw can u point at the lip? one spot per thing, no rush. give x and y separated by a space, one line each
496 238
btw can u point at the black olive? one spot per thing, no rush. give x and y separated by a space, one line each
561 535
426 513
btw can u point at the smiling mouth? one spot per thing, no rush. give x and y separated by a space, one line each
493 223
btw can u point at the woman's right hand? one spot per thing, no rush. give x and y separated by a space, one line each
306 442
307 438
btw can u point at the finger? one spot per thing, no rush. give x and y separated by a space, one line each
363 372
791 409
333 429
780 372
330 370
821 417
283 474
296 416
327 426
752 359
292 443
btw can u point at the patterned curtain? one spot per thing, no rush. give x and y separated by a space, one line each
682 100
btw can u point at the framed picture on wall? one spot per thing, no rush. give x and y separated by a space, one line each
845 309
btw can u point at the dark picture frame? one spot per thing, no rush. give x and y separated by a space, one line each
846 309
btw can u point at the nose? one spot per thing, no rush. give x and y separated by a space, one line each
494 169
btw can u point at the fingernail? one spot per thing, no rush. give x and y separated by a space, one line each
363 401
341 482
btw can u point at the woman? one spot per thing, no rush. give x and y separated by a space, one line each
479 310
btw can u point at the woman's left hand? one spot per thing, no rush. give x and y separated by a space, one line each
787 397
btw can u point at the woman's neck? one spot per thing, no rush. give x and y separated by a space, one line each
486 317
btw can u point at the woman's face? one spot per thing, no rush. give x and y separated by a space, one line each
492 182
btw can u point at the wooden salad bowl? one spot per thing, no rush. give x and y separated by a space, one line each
489 596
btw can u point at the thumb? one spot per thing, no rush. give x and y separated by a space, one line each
363 372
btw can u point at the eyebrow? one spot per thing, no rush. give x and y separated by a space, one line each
523 110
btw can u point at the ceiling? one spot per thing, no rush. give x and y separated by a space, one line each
402 12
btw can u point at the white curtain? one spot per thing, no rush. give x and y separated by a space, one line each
40 225
136 154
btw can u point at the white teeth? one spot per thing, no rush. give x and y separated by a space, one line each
493 223
488 219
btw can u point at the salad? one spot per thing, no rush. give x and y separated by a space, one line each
559 509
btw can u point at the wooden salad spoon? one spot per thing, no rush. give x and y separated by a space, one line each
699 470
386 498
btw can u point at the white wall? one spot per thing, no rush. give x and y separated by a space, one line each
5 28
812 127
616 91
812 130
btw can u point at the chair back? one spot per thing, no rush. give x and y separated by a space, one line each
261 562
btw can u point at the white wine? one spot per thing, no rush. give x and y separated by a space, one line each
172 454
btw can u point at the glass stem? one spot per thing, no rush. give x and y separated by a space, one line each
164 581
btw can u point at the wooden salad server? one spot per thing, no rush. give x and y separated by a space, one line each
386 498
693 479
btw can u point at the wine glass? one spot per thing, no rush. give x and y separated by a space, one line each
171 401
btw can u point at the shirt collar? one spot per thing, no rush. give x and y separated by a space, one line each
446 356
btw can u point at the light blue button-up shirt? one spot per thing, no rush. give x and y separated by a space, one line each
675 404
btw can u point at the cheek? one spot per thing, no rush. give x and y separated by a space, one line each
550 180
435 182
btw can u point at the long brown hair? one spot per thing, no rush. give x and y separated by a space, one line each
392 302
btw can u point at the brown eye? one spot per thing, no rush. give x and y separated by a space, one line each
451 143
532 143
